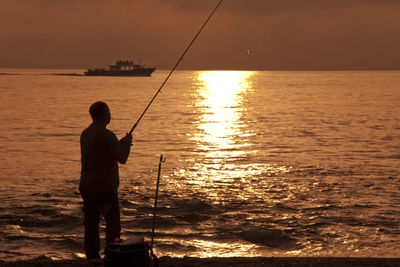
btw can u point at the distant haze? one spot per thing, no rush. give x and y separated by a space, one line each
243 34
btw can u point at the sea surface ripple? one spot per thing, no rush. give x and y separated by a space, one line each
258 163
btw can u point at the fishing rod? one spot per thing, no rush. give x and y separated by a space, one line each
176 65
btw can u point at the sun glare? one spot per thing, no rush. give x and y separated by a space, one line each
221 98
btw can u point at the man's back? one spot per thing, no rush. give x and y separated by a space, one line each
100 151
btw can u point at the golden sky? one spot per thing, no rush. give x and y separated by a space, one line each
281 34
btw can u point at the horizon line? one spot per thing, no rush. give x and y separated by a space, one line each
225 69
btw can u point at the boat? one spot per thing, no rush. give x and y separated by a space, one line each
121 68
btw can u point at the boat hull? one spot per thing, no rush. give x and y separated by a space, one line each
137 72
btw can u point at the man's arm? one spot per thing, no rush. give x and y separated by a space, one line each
120 149
126 143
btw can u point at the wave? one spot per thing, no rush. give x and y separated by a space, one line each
273 238
47 195
41 217
192 204
322 208
193 217
129 204
173 246
57 134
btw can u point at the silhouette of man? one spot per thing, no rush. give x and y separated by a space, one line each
100 153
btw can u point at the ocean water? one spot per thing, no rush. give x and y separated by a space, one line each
257 163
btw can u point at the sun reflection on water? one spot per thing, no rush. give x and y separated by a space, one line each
226 171
224 135
220 97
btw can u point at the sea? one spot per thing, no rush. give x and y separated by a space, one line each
257 163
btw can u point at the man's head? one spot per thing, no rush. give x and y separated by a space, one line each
100 113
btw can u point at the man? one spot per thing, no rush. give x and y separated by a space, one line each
100 153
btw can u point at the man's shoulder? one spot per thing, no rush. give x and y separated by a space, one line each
95 130
109 132
107 135
85 131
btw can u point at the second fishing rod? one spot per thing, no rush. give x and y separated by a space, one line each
176 65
